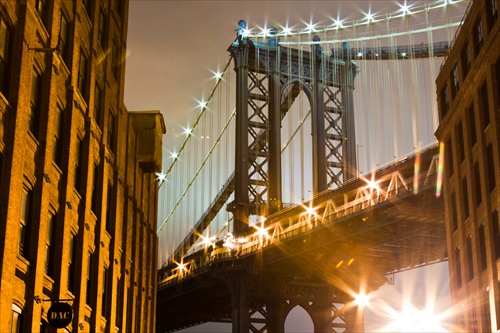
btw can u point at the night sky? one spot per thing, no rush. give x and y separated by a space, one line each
174 46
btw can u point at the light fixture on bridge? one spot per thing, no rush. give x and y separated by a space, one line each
286 30
337 24
202 104
311 27
359 54
218 75
403 54
405 9
161 177
369 17
174 155
188 131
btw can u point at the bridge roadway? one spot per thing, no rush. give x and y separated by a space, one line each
346 240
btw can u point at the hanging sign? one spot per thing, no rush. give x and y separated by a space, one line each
60 315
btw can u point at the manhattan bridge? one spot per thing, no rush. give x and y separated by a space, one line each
310 176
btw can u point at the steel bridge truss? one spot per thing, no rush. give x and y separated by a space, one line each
269 78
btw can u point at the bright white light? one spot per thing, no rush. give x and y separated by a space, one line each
188 131
207 241
310 210
403 54
174 155
311 27
161 177
362 300
360 54
287 30
337 23
202 104
265 31
369 17
414 320
405 9
218 75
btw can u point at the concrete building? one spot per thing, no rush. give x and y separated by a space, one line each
78 195
468 88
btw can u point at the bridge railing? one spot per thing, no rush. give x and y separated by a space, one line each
368 194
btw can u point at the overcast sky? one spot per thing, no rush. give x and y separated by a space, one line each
174 46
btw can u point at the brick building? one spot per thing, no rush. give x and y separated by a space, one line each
78 195
468 89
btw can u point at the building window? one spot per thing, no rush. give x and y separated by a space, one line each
465 195
35 102
16 320
101 29
115 66
95 193
49 248
482 246
105 287
98 104
496 233
57 148
41 9
449 157
461 143
71 264
472 128
89 279
465 54
78 183
112 131
87 6
477 182
5 47
455 86
24 225
478 37
490 164
485 105
493 13
110 216
445 103
454 211
470 258
458 267
83 76
64 46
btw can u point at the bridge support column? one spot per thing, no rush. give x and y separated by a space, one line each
318 121
239 207
241 320
274 131
349 146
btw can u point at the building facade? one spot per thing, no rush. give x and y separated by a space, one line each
468 88
78 195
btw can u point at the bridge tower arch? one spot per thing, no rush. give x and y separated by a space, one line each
268 78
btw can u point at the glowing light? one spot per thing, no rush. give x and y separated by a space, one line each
405 9
350 262
161 177
202 104
362 300
403 54
371 184
416 173
339 264
265 31
218 75
439 183
174 155
337 23
188 131
207 241
369 17
287 30
360 54
413 320
181 266
310 210
311 27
